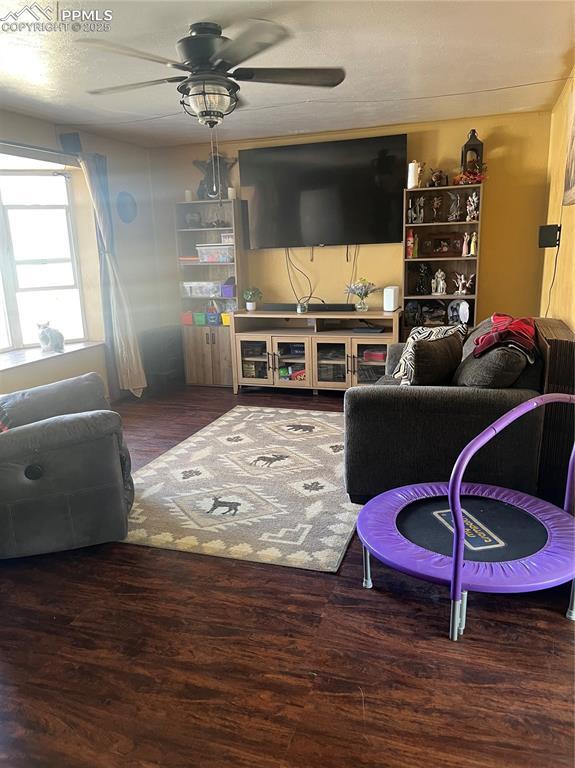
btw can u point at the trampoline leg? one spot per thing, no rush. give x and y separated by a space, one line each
571 610
463 614
367 582
455 620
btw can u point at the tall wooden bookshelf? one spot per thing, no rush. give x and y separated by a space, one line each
438 245
207 348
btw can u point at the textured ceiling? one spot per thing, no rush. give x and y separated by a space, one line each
405 61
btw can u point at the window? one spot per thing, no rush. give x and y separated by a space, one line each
39 274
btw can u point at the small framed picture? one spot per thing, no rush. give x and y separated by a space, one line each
457 244
441 244
426 245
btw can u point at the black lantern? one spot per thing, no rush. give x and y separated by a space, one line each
472 154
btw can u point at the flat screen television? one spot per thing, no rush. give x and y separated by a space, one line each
327 193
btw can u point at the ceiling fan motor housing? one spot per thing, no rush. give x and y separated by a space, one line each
203 42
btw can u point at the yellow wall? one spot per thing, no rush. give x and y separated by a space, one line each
54 368
562 304
516 147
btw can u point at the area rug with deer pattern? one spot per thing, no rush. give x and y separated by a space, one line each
259 484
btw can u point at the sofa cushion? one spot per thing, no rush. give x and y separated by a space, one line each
496 369
404 369
482 328
435 361
387 381
532 375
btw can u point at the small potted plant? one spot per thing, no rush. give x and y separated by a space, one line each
251 295
362 288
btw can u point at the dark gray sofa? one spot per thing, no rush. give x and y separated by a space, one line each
398 435
64 469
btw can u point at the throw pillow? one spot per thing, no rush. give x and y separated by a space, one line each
435 361
496 369
404 369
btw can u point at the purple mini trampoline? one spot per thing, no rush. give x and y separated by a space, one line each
473 536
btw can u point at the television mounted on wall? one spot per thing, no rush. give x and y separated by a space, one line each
325 193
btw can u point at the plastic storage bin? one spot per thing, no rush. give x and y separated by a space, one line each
219 254
187 318
207 289
200 318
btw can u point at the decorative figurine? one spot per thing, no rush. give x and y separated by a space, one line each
409 243
455 206
436 206
216 170
412 313
473 245
473 207
414 171
420 207
465 249
463 284
439 284
416 246
458 312
438 178
423 282
410 213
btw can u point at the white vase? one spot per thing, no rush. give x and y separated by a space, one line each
250 306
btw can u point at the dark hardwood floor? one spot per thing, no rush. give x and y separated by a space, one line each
136 657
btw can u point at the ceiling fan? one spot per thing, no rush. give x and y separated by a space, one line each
209 88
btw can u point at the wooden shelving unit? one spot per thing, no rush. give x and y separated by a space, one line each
439 245
207 348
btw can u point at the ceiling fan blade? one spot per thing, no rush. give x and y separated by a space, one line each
321 77
124 50
259 35
135 86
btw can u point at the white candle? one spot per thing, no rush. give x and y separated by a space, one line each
413 175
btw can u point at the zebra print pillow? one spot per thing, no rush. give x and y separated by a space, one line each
404 370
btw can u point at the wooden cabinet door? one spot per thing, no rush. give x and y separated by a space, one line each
197 354
331 362
254 359
368 358
292 361
221 356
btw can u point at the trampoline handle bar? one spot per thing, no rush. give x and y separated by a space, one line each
454 492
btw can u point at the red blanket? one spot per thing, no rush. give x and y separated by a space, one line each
508 331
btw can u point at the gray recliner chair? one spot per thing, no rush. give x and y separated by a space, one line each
64 469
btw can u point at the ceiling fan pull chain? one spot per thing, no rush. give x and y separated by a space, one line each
219 173
213 160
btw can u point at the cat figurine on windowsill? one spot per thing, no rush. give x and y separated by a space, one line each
51 340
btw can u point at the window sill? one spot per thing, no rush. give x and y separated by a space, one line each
17 357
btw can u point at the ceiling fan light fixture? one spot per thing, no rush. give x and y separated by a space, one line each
210 101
